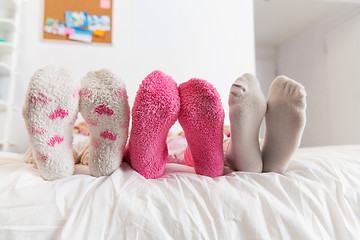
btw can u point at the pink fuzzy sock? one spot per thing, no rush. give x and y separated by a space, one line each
202 117
187 157
155 110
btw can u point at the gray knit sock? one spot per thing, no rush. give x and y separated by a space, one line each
285 121
247 109
105 108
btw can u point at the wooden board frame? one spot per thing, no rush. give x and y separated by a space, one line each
56 9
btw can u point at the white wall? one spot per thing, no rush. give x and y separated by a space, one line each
325 59
266 66
207 39
343 68
266 71
303 59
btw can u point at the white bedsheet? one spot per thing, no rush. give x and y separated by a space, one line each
317 198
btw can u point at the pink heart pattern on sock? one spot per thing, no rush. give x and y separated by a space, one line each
59 113
108 135
55 140
85 93
104 110
36 130
41 99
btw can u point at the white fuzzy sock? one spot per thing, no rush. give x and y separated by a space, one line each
285 121
247 110
50 111
105 108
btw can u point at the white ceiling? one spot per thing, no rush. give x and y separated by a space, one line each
278 20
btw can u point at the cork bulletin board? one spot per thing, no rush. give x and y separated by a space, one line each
54 15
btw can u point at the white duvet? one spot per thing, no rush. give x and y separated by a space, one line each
317 198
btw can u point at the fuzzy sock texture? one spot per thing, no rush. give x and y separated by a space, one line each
247 109
187 157
285 121
105 108
50 111
155 110
202 118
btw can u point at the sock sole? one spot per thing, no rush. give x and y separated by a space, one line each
285 121
247 110
105 108
202 118
155 110
50 111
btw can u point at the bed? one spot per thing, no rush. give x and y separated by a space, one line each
317 198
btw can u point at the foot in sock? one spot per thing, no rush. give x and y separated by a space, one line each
202 118
247 109
285 121
104 106
155 110
50 111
